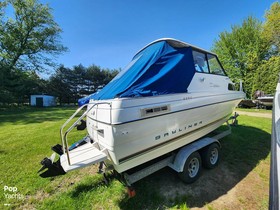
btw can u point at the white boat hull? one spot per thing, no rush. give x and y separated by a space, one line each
134 139
266 101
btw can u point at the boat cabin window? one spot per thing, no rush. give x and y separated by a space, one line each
200 62
214 65
231 86
207 63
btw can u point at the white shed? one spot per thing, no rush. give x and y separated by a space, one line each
42 100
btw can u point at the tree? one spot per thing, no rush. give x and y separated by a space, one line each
97 78
19 85
268 72
30 37
59 85
28 83
267 75
29 40
272 27
71 84
242 50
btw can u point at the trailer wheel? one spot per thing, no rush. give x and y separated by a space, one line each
192 168
211 156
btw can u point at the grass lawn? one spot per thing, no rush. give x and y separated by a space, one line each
253 110
240 181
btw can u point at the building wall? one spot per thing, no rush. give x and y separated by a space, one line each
47 100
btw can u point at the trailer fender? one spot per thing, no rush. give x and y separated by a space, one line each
186 151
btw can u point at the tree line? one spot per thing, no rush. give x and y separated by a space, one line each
71 84
67 84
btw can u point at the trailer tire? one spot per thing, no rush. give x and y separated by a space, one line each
192 168
211 156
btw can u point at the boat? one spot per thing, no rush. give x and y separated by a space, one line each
247 103
171 94
265 101
274 200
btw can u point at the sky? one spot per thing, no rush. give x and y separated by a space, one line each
108 33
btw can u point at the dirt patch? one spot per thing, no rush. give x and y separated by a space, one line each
39 196
249 193
219 188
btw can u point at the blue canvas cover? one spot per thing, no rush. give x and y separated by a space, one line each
158 69
85 100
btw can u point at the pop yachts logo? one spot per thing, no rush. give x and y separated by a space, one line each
12 193
178 130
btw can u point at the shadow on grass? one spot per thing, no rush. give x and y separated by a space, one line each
241 152
29 115
86 187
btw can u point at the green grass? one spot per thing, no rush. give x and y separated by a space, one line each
249 143
253 110
27 134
